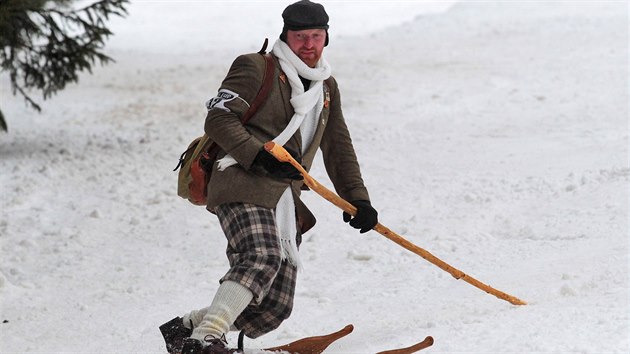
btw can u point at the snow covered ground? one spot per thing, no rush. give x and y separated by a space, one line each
494 135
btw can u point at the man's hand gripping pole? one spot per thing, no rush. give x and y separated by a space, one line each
282 155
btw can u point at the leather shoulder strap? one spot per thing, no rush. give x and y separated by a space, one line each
212 148
263 93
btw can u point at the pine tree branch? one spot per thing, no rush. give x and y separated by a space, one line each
46 48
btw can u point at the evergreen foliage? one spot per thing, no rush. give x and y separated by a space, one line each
45 44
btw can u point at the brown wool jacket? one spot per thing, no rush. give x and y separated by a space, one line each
245 182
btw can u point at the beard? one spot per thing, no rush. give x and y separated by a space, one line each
310 57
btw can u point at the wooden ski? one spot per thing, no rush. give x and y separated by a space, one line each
313 345
317 344
427 342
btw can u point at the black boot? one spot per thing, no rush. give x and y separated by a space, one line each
211 345
174 333
192 346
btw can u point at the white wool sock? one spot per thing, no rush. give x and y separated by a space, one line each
194 317
229 301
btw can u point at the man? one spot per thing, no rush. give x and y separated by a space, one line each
256 197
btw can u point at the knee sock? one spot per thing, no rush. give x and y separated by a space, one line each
229 301
193 318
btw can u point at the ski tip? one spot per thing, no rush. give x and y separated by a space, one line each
427 342
313 345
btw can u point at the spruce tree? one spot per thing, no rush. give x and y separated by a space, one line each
45 44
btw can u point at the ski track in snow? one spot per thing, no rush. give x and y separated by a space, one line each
494 136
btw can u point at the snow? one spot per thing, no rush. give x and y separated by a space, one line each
494 135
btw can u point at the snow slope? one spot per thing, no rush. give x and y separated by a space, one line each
494 135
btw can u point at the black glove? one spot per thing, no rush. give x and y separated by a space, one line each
366 218
276 168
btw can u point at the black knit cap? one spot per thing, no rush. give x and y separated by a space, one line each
304 15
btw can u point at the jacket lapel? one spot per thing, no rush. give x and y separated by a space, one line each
285 92
321 123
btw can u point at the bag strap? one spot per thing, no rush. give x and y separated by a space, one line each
263 93
261 96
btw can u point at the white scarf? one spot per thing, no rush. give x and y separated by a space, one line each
307 107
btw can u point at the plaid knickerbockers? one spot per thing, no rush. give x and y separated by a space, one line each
255 262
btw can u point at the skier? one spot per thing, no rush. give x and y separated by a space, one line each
256 197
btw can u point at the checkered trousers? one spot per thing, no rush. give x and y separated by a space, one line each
255 262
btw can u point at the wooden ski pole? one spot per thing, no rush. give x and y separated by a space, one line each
282 155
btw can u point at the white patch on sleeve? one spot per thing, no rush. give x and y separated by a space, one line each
224 96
